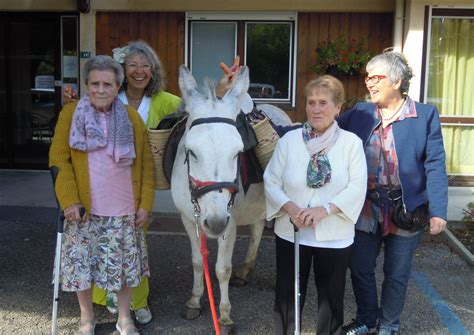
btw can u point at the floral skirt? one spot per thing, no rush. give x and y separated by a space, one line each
108 251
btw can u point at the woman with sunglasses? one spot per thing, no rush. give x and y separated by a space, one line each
405 158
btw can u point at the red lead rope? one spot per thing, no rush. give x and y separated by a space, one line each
205 253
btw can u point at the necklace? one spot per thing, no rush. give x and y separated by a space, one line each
134 101
393 114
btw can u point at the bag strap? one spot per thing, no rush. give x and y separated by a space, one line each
382 150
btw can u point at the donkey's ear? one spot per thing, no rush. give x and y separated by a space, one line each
241 82
235 96
187 83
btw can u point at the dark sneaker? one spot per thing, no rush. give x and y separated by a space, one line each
356 328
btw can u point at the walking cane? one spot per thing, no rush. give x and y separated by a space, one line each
57 256
297 280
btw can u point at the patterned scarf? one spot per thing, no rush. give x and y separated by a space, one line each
87 135
319 168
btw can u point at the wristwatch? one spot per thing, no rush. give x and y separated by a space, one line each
327 208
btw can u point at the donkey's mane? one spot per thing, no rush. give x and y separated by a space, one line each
208 90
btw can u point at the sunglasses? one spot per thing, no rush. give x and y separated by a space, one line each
374 79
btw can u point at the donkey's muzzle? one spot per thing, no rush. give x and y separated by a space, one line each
216 225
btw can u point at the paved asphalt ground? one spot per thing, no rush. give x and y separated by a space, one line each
440 295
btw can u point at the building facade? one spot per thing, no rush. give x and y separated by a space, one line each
44 43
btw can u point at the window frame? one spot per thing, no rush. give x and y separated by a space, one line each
242 19
448 12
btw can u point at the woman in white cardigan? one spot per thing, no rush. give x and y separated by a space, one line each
316 180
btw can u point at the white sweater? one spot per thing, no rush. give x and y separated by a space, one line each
285 180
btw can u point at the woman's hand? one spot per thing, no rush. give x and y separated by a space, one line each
225 82
142 217
72 213
293 211
311 216
69 94
437 225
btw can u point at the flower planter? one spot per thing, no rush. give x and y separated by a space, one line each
340 57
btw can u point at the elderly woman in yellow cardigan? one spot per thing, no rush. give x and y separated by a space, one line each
105 165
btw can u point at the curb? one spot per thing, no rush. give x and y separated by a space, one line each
458 247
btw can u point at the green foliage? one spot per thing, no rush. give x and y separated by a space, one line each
46 66
341 55
268 53
469 212
69 53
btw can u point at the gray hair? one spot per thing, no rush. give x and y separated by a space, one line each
103 63
158 78
396 66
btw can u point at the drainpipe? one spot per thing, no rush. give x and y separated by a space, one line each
398 26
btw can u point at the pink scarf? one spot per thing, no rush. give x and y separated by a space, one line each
86 133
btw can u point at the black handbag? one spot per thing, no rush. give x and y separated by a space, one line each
412 221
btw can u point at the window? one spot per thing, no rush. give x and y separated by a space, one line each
211 43
450 83
265 43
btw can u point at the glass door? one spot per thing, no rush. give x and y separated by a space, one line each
3 96
31 85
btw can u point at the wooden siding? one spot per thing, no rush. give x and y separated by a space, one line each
313 28
163 31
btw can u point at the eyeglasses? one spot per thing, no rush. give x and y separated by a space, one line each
374 79
133 66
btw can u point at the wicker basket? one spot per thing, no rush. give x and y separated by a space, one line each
157 140
267 139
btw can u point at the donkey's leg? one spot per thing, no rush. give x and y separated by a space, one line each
223 272
192 308
241 276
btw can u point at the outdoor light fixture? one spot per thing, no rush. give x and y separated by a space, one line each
84 6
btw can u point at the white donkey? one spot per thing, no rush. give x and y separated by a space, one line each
206 188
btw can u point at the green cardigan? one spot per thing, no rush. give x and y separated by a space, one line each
162 104
73 181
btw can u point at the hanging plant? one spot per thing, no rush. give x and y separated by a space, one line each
341 56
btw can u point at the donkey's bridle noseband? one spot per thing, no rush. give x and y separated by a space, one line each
197 187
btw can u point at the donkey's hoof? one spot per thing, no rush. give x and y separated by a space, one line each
237 281
227 330
190 313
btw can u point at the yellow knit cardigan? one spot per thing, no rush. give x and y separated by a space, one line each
73 182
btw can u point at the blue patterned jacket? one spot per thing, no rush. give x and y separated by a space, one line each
420 153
